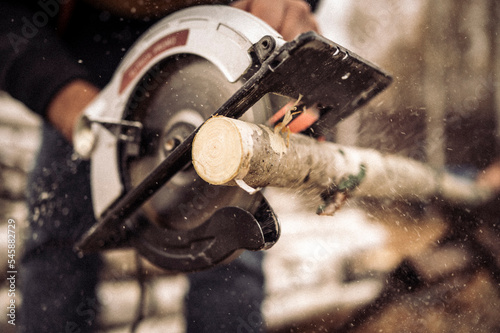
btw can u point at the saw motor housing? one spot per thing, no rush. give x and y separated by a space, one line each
199 62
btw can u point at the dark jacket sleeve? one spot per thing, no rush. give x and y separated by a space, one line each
34 64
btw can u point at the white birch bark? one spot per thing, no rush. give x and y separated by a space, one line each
232 152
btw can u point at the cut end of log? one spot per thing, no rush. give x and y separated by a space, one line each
218 151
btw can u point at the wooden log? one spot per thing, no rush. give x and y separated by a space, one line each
232 152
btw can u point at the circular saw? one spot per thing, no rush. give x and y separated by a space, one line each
197 63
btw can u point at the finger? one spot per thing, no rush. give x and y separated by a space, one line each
288 17
271 12
241 4
297 19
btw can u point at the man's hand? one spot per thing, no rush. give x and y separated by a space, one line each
490 177
288 17
67 105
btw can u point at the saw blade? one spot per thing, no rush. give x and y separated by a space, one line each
186 91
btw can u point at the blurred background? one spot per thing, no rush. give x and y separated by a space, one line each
374 266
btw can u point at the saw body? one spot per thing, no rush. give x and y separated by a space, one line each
199 62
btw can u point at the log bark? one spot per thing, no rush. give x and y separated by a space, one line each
232 152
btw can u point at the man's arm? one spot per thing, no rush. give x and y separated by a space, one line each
288 17
35 67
